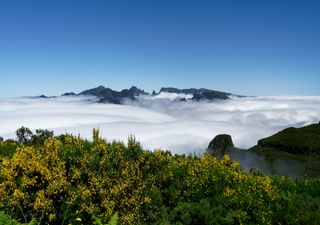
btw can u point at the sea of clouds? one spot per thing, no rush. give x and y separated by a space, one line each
162 121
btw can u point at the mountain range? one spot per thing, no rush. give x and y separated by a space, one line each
108 95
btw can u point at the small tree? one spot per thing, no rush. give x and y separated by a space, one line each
40 136
24 135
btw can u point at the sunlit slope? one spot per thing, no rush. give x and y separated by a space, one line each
304 140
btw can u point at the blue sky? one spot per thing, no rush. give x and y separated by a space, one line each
243 47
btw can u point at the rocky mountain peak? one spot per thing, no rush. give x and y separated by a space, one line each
220 145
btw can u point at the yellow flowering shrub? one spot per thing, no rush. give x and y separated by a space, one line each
34 180
71 180
252 194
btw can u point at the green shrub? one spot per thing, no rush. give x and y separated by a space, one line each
66 179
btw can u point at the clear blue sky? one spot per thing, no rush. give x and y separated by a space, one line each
245 47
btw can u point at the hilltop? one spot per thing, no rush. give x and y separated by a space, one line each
300 141
293 152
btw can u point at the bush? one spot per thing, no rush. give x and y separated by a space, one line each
66 179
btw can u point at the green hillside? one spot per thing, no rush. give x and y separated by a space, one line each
303 141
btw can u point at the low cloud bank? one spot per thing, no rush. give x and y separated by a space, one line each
166 122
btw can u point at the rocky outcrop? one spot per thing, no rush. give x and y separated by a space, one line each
137 91
220 145
198 94
210 95
265 160
107 95
68 94
293 152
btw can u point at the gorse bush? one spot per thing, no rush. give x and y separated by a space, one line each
34 180
56 180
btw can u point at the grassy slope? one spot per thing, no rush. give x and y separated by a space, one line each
302 141
293 146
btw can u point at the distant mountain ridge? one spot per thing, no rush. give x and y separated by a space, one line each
107 95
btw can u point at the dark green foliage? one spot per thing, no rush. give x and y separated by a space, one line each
113 220
40 136
7 148
202 213
300 198
5 219
292 152
24 135
305 140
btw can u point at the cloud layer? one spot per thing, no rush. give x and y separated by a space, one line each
162 122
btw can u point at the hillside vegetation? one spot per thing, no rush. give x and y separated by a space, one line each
69 180
292 151
303 141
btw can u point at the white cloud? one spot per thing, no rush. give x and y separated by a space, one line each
167 96
182 127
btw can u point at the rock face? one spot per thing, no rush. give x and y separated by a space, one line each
68 94
137 91
107 95
209 95
220 145
198 93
